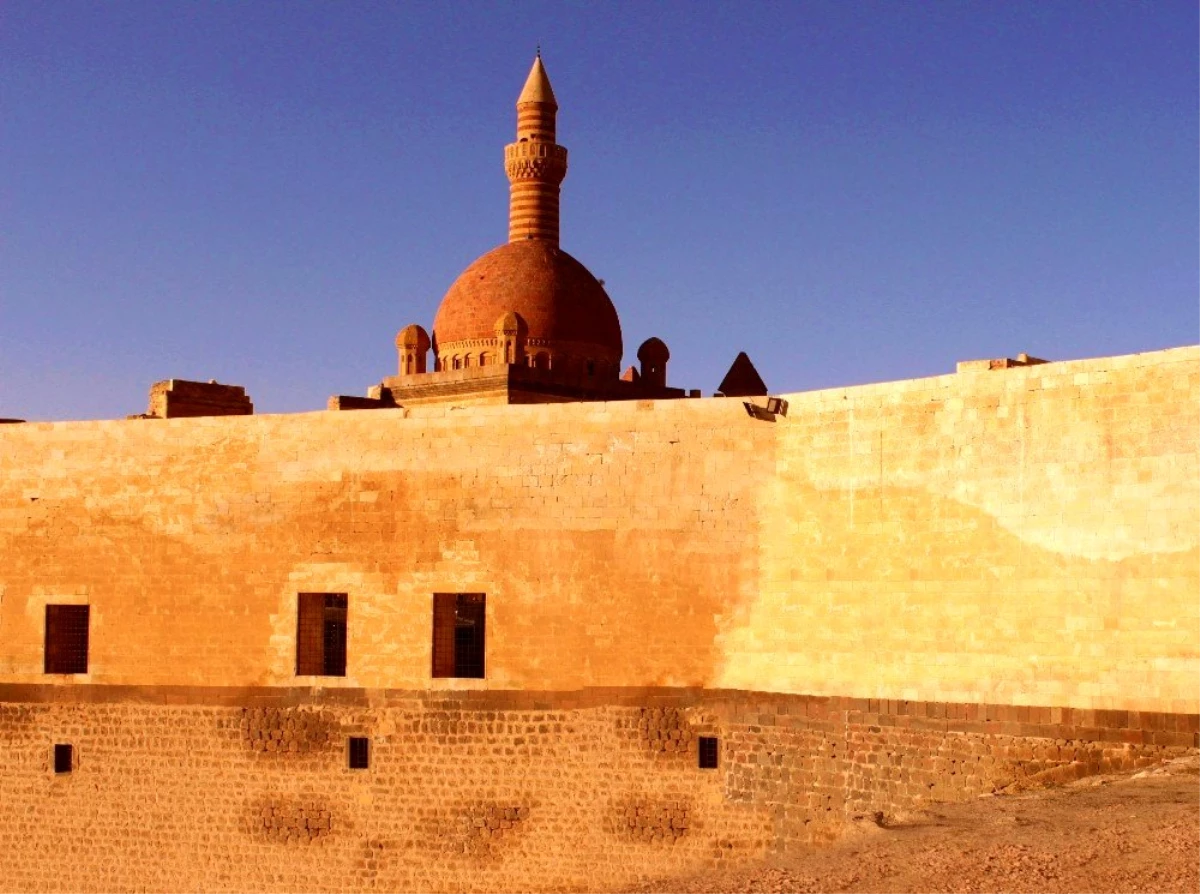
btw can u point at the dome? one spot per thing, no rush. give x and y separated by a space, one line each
413 336
653 351
564 307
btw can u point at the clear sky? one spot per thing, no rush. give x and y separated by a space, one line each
264 193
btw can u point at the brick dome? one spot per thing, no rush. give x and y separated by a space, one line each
567 311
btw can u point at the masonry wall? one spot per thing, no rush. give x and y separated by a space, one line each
226 790
588 530
1024 536
897 593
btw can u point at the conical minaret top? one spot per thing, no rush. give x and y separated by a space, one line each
537 88
535 164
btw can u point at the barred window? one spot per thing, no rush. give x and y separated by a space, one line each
708 752
360 753
458 634
321 634
67 639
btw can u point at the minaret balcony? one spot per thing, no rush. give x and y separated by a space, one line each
535 160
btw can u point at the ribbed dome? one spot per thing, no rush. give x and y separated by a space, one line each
559 300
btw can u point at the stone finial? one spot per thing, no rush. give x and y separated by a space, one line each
653 355
412 343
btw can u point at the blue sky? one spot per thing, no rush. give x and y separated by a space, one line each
264 193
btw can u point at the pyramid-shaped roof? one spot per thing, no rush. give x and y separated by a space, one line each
743 379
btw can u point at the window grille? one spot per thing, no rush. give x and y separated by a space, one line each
360 753
67 639
321 634
458 634
708 752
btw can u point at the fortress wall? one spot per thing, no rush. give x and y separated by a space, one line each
965 583
1020 536
1025 536
226 790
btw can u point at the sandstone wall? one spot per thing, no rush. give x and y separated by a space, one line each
593 532
1025 536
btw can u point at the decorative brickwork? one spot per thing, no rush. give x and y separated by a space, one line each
535 164
288 731
666 733
290 820
477 830
651 822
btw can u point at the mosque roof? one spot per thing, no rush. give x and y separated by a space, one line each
556 296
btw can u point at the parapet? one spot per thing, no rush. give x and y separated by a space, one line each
378 399
176 398
998 363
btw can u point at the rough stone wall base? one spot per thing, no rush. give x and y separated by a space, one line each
249 790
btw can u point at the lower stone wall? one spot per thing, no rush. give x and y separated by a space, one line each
250 789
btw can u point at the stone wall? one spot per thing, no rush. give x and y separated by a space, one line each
588 527
895 594
224 790
1022 536
179 398
1018 536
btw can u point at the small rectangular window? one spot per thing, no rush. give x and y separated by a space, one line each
63 758
321 634
67 639
708 752
360 753
458 634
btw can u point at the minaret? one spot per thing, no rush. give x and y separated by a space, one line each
535 164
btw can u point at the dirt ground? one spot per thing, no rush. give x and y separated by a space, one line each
1127 832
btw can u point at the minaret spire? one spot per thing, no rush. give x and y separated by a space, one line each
535 164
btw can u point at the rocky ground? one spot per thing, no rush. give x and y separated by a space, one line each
1127 832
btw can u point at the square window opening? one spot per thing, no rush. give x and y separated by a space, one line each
459 635
66 649
321 634
63 758
360 753
708 752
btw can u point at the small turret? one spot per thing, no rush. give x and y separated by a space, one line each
653 355
510 337
412 342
